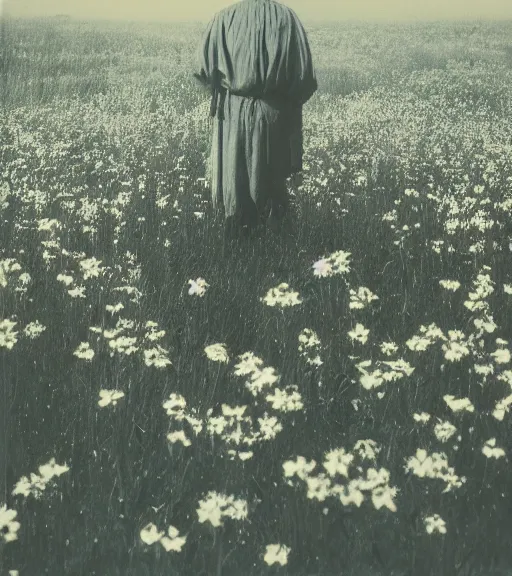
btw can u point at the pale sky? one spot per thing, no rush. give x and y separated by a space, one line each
306 9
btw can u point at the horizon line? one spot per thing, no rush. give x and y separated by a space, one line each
68 17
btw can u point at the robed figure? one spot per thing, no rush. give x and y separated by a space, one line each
256 60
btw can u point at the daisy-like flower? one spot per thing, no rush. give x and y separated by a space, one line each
418 343
349 494
34 329
217 353
215 506
150 534
91 268
444 431
109 397
248 364
383 496
319 487
84 351
7 334
301 468
276 554
51 469
156 357
501 356
266 377
114 308
236 412
456 349
8 525
360 334
236 508
388 348
337 462
424 417
435 524
282 296
337 263
152 334
178 436
175 406
308 339
458 404
124 344
361 298
285 401
269 427
322 268
367 449
174 542
78 292
198 287
491 451
451 285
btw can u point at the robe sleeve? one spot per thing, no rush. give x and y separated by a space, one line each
301 74
206 55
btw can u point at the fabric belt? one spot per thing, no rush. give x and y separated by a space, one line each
217 103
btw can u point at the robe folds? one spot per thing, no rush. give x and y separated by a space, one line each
256 61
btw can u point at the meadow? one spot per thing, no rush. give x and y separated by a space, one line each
330 400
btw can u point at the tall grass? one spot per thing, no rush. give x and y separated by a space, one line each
407 168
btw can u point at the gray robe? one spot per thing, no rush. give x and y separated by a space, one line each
255 59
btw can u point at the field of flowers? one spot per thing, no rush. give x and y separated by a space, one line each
330 400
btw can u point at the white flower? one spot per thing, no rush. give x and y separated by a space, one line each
501 356
51 469
84 351
7 334
367 449
34 329
174 542
452 285
78 292
156 357
383 496
8 526
113 309
109 397
276 554
300 468
91 268
491 451
211 509
282 296
198 287
217 353
284 401
444 431
150 534
178 436
423 417
435 523
175 406
458 404
322 268
337 462
388 348
248 364
361 298
337 263
360 333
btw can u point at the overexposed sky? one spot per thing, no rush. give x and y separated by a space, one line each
306 9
